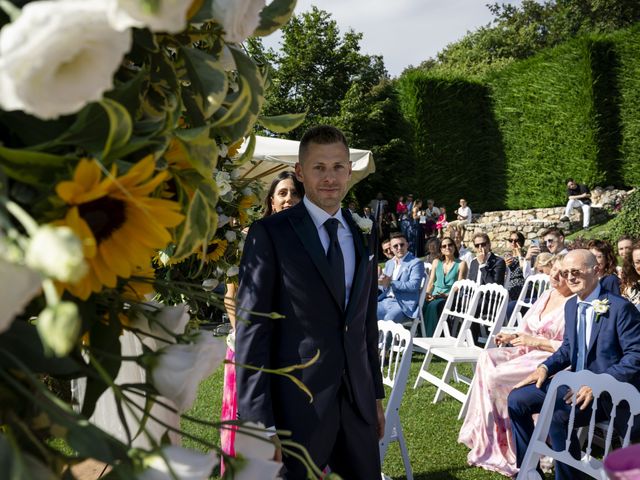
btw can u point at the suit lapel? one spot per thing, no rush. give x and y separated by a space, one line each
595 325
308 233
570 325
361 264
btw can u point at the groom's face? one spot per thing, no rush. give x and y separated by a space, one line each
325 171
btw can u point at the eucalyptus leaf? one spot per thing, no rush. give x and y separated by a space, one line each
239 104
120 125
200 150
248 152
196 227
282 123
208 79
273 16
32 168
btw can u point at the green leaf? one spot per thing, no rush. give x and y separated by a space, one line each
200 150
248 152
208 79
240 103
120 125
32 168
273 16
197 227
282 123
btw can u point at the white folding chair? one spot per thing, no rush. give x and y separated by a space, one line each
419 320
427 269
395 347
534 286
488 309
599 383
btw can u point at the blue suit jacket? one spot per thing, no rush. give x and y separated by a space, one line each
614 346
407 287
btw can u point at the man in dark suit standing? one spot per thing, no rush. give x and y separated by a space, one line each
310 264
602 334
486 267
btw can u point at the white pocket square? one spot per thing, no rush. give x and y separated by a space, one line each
371 257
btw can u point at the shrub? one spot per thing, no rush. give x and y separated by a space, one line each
628 220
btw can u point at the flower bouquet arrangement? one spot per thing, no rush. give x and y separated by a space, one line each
121 208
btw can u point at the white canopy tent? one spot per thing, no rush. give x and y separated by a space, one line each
272 155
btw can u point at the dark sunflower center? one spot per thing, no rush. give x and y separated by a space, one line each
212 247
104 216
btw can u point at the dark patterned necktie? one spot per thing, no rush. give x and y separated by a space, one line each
336 260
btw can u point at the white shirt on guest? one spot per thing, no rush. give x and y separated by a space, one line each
465 212
319 216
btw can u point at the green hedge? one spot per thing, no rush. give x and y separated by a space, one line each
627 45
457 143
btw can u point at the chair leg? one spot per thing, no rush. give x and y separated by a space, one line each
465 404
446 378
423 368
404 452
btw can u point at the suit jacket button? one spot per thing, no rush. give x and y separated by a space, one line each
346 328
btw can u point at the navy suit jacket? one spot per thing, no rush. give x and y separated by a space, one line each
406 288
284 269
493 272
614 345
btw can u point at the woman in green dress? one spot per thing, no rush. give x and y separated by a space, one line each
444 272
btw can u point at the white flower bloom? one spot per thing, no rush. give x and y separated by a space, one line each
57 253
230 235
239 18
364 224
59 327
223 150
181 368
233 271
169 15
18 285
247 192
236 173
223 180
184 463
210 284
222 220
161 321
58 56
258 454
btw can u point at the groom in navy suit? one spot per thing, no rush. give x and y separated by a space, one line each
602 334
310 264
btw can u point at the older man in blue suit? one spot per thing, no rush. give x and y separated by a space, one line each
400 282
602 334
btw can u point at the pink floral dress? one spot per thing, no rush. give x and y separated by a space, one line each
229 405
487 429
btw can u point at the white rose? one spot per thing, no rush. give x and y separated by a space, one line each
18 285
168 16
223 180
181 368
56 252
160 321
58 56
364 224
210 284
184 463
222 220
233 271
239 18
59 327
257 453
230 235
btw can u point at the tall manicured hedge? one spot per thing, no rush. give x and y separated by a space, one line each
545 109
457 143
627 46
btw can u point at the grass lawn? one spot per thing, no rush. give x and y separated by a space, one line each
431 430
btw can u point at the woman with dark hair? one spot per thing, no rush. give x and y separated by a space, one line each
606 259
631 275
514 259
285 191
444 272
388 222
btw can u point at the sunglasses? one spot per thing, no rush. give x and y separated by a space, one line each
513 240
398 245
446 245
480 245
388 249
550 240
574 273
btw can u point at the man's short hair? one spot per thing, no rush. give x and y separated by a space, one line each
555 231
321 135
482 235
395 235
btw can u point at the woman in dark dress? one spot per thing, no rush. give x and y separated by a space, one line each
606 259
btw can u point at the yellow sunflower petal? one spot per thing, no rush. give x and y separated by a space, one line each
87 173
82 230
106 276
115 258
150 186
139 172
68 191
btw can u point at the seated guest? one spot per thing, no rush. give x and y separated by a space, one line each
431 215
553 239
625 242
486 267
579 197
463 214
388 223
631 275
400 282
386 249
599 341
458 236
544 263
401 207
433 250
514 260
603 251
486 428
441 222
416 232
445 270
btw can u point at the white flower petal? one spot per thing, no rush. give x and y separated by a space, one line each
57 253
170 15
18 285
251 447
239 18
185 464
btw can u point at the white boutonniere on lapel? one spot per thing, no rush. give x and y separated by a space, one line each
600 307
364 224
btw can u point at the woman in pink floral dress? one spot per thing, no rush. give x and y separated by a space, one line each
486 429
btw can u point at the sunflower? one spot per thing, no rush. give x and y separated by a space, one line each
215 250
245 203
120 225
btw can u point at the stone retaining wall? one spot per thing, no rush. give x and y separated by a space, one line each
532 222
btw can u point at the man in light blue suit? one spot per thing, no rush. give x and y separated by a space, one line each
400 282
602 334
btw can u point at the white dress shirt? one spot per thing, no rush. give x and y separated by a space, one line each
319 216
